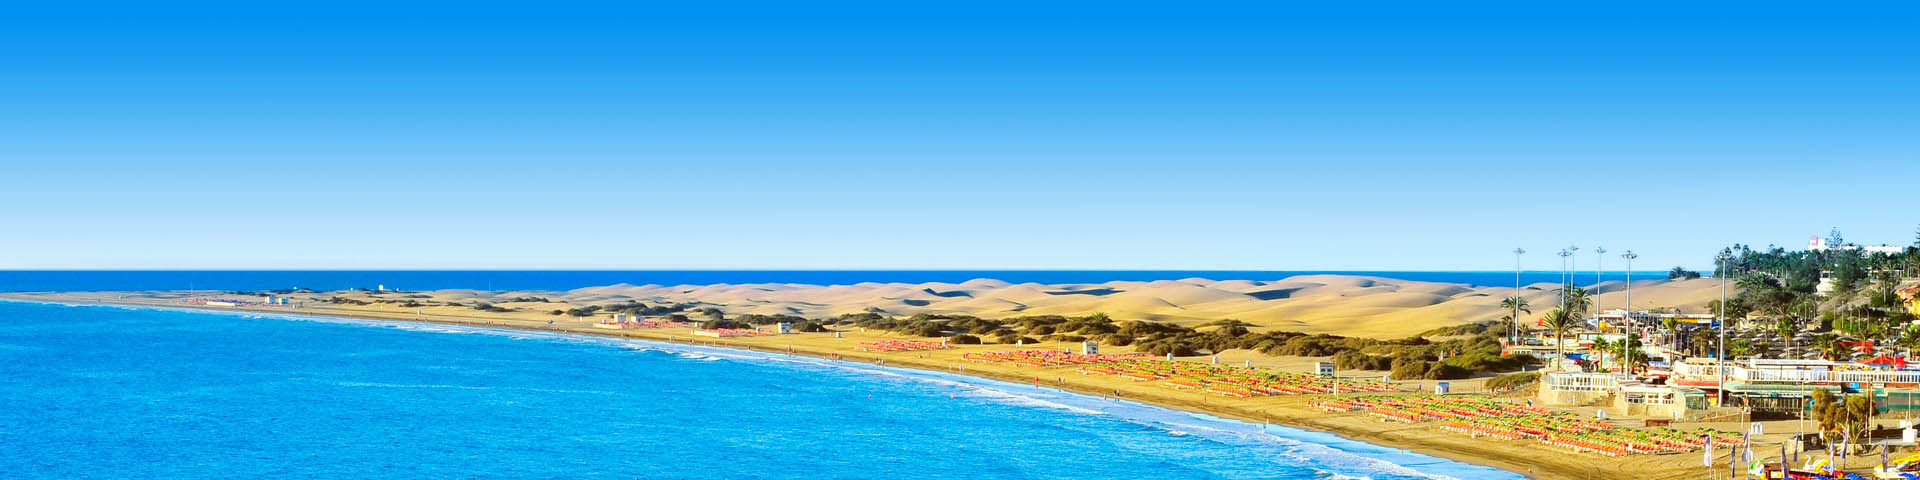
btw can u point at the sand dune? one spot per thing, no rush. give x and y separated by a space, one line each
1339 304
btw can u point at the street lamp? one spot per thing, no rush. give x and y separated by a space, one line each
1629 256
1721 349
1598 255
1573 263
1513 331
1563 276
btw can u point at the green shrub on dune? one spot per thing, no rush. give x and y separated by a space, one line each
1445 371
1357 360
1408 369
1512 380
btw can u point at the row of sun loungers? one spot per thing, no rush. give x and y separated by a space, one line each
630 324
1050 358
1504 421
729 332
900 346
1230 381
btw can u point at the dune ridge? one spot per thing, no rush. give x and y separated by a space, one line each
1338 304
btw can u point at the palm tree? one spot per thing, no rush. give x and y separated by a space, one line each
1785 327
1605 348
1672 324
1560 321
1830 346
1740 348
1699 341
1578 299
1910 340
1510 305
1630 355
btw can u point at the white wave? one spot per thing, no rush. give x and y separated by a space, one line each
1010 398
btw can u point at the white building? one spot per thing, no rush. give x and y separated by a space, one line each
1818 244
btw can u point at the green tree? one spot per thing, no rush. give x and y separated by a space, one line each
1740 348
1701 342
1785 328
1849 268
1627 353
1672 324
1605 348
1509 305
1910 339
1830 346
1578 299
1842 416
1560 321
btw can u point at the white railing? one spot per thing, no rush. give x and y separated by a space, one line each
1824 376
1696 370
1647 395
1583 382
1784 372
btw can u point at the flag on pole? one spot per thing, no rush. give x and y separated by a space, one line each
1747 440
1846 443
1732 463
1783 459
1706 456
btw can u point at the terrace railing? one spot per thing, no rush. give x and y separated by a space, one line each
1823 376
1582 382
1697 370
1819 374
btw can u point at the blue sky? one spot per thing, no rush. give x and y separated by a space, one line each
1364 135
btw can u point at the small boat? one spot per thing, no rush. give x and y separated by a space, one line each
1903 468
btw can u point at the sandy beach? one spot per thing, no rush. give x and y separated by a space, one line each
1536 460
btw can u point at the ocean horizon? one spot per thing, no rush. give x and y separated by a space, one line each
558 280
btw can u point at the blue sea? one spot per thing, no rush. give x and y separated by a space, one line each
77 280
122 392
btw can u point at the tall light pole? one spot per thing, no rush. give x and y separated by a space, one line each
1721 348
1599 254
1629 256
1513 331
1563 276
1573 263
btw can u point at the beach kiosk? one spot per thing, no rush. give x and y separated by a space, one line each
784 328
1324 369
1090 348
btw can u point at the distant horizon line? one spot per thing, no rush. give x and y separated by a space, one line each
464 269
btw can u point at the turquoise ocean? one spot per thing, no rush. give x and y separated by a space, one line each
123 392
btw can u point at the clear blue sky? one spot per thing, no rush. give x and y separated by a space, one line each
1182 135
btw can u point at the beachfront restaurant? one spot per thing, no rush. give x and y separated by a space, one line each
1787 385
1764 386
1620 394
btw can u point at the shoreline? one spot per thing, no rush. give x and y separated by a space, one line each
1293 414
1035 396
